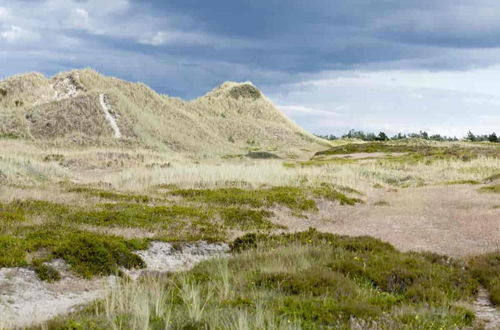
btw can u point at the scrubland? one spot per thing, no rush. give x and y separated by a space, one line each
298 227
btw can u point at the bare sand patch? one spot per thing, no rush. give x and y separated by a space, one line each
452 220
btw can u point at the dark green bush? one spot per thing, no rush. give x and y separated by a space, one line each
262 155
91 255
47 273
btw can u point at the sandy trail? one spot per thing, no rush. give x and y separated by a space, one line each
109 117
486 312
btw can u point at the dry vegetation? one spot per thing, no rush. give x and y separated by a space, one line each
69 190
65 110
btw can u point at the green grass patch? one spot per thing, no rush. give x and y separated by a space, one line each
12 252
291 197
491 189
329 192
106 194
470 182
247 219
294 198
138 215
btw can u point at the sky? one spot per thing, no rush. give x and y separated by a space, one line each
330 65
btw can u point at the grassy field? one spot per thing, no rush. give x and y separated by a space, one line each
93 207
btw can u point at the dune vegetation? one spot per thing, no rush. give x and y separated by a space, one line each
229 167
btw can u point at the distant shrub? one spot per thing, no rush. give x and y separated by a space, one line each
246 242
53 158
245 91
262 155
3 92
491 189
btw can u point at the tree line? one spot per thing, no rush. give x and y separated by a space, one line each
381 136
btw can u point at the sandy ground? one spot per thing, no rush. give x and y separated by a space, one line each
486 312
25 299
455 220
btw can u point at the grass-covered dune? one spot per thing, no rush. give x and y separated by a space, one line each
307 280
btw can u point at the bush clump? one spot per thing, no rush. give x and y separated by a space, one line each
262 155
90 255
47 273
245 91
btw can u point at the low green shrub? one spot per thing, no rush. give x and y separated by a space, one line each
246 219
486 268
47 273
262 155
90 255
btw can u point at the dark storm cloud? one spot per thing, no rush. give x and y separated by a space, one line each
332 65
185 47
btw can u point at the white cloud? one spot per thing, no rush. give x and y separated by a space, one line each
176 37
14 34
396 101
82 15
302 110
4 12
